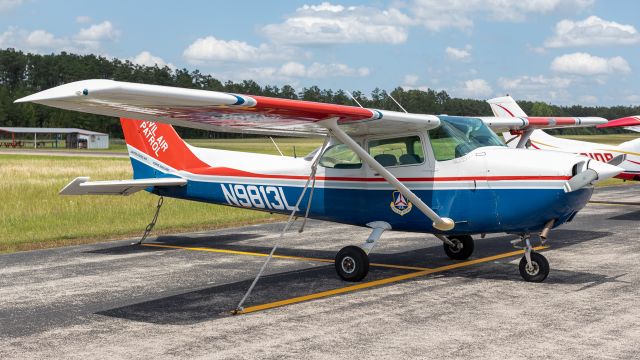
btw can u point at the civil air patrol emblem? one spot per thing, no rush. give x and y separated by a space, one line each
400 205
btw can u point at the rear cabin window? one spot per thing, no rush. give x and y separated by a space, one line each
406 150
339 156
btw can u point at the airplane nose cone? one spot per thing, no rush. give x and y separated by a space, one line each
593 172
604 170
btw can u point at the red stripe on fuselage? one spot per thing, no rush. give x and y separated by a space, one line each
229 172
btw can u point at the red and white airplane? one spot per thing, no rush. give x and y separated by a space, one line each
449 176
628 152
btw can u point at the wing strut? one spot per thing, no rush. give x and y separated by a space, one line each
522 144
440 223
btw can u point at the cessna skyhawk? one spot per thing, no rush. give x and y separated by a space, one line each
450 176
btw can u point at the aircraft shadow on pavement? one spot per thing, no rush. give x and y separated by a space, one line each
218 301
188 241
631 216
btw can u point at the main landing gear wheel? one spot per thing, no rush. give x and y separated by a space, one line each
352 263
537 271
462 249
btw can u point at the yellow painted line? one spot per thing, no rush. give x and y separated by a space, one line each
614 203
380 282
276 256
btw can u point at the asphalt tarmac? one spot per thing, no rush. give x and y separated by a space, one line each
173 297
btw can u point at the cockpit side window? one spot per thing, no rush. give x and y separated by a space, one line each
456 137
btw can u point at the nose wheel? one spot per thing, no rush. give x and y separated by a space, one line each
534 267
535 270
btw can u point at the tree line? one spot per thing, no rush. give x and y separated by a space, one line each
22 74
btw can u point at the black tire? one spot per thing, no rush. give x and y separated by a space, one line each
457 253
540 269
352 263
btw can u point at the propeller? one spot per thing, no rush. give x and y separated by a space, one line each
591 172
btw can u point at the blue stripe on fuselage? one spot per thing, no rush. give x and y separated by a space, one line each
475 211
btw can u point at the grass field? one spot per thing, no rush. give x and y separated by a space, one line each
33 215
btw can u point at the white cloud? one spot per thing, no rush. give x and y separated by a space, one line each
9 4
319 70
85 41
539 88
588 99
634 99
459 54
293 69
145 58
585 64
528 83
592 31
291 72
41 39
93 36
437 14
83 19
410 80
210 49
336 24
476 88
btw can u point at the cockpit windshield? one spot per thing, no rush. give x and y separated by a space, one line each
457 136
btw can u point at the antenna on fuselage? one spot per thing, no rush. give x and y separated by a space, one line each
354 99
397 103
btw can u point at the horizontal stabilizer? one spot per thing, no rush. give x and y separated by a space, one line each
630 123
82 186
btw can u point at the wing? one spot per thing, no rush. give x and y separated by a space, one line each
82 186
509 116
630 123
500 124
217 111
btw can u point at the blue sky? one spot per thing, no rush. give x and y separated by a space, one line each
560 51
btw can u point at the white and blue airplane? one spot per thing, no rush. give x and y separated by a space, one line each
450 176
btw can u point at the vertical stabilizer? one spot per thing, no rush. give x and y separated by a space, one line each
148 141
505 106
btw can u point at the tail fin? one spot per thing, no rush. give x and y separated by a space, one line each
505 106
147 140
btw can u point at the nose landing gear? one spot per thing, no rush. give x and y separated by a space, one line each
534 267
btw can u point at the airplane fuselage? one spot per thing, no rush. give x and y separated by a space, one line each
481 195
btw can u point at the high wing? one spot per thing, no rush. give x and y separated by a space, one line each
217 111
510 117
82 186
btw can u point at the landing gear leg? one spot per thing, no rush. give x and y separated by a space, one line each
533 266
352 262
